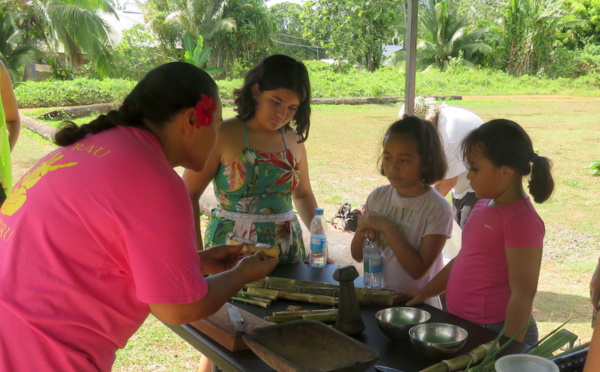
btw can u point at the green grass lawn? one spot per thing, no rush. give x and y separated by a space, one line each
343 148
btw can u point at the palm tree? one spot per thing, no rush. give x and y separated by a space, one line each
15 53
171 20
234 29
74 25
252 39
530 29
445 35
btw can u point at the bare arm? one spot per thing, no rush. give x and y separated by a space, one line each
303 197
523 274
416 262
592 362
435 287
221 287
444 186
356 246
196 183
595 287
11 110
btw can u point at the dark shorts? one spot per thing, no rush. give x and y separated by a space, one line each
461 208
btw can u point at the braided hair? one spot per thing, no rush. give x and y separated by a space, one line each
162 93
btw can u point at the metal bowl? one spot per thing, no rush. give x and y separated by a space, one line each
396 321
438 340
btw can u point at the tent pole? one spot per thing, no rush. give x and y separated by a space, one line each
411 57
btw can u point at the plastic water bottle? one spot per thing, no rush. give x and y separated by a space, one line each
373 274
318 240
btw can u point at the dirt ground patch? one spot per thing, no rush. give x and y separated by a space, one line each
533 98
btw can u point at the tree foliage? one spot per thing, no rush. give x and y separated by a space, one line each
445 35
137 53
237 31
290 39
171 20
587 30
529 34
353 30
74 26
15 52
252 40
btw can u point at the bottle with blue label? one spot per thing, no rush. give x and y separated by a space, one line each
373 265
318 240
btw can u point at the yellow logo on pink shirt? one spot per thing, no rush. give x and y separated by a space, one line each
18 196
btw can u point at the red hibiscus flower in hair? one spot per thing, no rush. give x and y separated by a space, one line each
204 110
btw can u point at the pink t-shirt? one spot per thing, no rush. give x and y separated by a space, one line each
478 288
88 238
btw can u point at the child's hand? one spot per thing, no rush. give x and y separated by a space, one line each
414 296
370 226
370 234
373 222
401 297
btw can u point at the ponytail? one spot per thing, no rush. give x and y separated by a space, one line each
505 143
541 183
70 132
162 93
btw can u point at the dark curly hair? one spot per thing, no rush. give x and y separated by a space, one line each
274 72
162 93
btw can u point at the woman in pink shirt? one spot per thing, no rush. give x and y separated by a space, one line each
493 280
100 232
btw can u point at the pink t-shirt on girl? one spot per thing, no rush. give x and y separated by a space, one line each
88 238
478 288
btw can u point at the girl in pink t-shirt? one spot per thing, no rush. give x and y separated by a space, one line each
493 280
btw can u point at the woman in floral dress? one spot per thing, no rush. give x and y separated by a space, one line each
259 165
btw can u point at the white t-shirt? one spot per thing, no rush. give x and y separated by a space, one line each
416 217
454 124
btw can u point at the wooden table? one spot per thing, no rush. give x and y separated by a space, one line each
394 353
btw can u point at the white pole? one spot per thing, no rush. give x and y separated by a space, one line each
411 57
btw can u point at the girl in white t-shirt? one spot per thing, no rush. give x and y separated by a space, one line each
409 219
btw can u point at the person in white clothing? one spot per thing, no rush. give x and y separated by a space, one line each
408 218
453 125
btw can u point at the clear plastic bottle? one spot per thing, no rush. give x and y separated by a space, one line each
318 240
373 265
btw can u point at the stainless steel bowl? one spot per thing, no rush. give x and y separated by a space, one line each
438 340
396 321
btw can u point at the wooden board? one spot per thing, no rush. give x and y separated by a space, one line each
218 327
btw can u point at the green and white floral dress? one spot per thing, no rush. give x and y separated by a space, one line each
254 201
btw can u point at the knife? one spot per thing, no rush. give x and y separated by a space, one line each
381 368
236 319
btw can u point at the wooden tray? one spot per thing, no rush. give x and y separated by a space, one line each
218 327
308 345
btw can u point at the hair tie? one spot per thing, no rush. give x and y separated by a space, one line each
534 157
204 110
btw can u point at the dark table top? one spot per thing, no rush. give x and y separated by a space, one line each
393 353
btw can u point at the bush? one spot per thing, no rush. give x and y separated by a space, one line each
325 83
137 54
76 92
